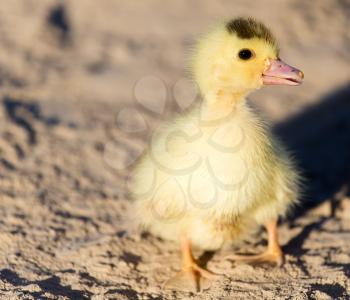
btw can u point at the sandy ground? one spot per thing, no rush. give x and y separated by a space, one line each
83 83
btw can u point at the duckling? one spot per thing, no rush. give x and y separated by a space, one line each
216 172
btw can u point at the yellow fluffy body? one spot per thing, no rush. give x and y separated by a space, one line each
216 171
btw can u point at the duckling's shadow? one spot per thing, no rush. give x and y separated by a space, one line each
205 257
319 138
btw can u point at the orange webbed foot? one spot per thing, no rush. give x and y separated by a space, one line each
191 278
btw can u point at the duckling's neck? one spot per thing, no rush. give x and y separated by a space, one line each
220 105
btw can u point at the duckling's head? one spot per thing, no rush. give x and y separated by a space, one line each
239 56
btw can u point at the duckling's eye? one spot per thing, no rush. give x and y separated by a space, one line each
245 54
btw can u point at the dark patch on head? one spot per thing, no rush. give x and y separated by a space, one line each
248 28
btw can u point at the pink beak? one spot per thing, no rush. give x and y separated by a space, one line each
278 72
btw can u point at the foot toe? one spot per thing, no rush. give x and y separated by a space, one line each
193 278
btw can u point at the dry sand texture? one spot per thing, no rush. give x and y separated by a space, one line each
77 106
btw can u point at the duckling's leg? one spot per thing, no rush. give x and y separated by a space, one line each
273 254
192 275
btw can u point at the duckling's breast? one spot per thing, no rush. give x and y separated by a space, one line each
199 178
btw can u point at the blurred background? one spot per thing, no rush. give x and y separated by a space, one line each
82 85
